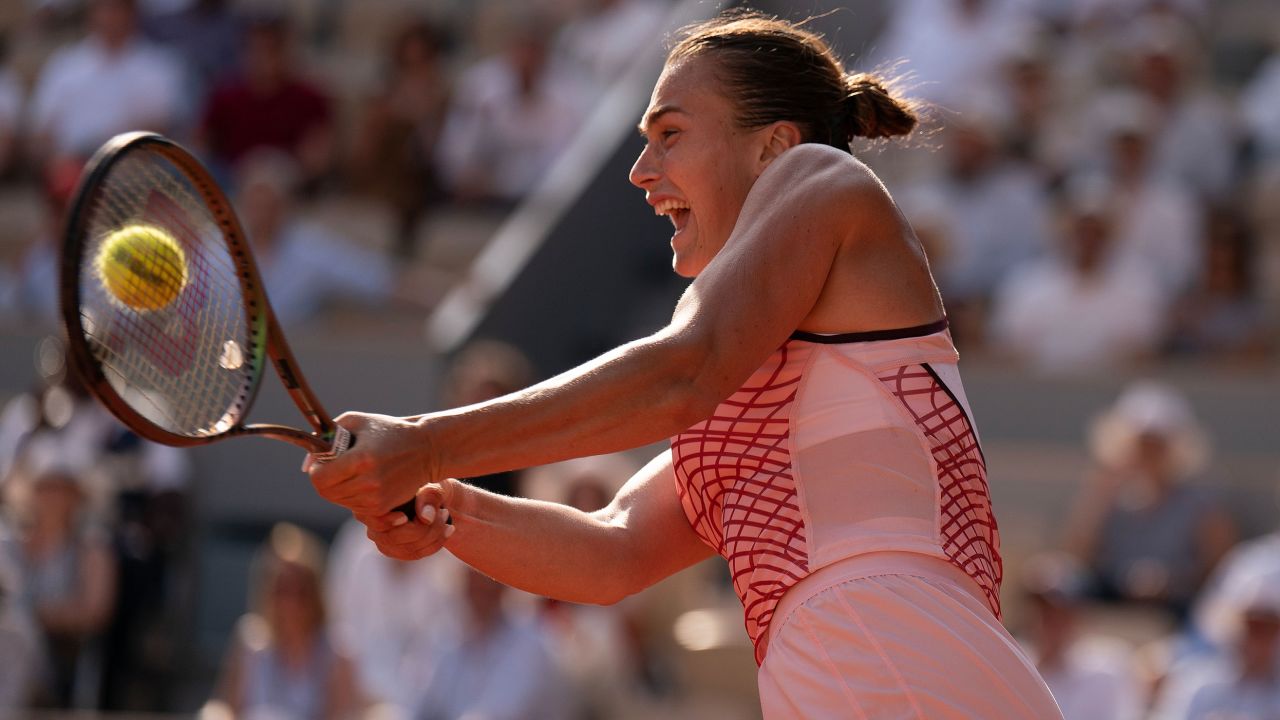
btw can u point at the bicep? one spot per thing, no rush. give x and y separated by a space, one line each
659 540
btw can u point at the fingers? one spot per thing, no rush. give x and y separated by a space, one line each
342 480
410 541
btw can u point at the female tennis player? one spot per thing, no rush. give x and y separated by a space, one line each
821 439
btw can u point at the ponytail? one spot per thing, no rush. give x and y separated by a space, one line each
872 111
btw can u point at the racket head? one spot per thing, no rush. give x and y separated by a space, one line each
178 369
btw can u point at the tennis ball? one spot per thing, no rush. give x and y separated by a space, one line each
142 266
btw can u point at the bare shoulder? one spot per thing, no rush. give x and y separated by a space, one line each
820 174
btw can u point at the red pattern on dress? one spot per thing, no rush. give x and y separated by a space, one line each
734 479
968 529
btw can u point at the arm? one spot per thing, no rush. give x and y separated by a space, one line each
555 550
743 306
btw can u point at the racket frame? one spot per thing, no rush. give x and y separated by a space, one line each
259 317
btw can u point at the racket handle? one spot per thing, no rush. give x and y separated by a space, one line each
343 441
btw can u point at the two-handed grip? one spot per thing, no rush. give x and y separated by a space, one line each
343 441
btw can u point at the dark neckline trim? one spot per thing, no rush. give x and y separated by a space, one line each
872 335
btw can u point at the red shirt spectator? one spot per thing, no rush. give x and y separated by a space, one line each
268 105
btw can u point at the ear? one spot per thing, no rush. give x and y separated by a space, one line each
777 139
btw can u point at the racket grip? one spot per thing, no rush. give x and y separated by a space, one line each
343 441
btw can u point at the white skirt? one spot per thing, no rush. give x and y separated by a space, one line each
895 635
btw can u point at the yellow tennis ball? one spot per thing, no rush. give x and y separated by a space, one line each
142 266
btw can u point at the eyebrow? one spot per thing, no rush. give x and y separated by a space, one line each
656 113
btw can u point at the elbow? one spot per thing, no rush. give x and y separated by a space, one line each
693 383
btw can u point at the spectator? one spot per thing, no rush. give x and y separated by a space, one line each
208 36
595 646
35 295
282 662
1077 311
1260 109
1244 681
1193 138
390 617
995 208
498 668
510 117
483 370
392 155
949 46
1147 535
1239 569
12 98
110 82
69 570
303 264
1222 315
1091 677
1042 131
1157 221
268 105
19 641
607 36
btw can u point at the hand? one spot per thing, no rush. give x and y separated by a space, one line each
398 539
390 460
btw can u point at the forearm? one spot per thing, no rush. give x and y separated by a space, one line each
640 393
540 547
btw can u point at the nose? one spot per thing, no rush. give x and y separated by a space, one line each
645 170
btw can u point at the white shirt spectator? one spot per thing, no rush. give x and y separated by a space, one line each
989 225
1158 230
1060 322
947 50
1210 688
391 618
308 265
86 94
506 674
605 41
1097 683
501 140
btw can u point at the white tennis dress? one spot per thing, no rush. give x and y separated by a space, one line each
845 485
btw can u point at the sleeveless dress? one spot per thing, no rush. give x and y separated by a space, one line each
845 485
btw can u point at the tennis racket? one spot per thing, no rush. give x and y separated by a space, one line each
166 318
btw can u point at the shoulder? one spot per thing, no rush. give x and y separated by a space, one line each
811 162
819 178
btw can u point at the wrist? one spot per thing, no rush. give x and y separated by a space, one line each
453 493
430 463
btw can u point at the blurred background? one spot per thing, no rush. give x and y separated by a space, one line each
436 191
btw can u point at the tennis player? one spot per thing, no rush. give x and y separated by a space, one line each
821 439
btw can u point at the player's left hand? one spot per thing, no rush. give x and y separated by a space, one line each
391 458
412 541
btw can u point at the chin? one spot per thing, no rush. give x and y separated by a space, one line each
682 270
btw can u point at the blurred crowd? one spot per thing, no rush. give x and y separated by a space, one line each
1097 188
1105 175
387 116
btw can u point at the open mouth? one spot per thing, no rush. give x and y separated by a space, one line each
675 210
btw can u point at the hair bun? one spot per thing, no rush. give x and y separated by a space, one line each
872 111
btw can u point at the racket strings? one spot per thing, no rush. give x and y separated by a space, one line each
186 366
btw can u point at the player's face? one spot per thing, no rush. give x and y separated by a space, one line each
698 165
